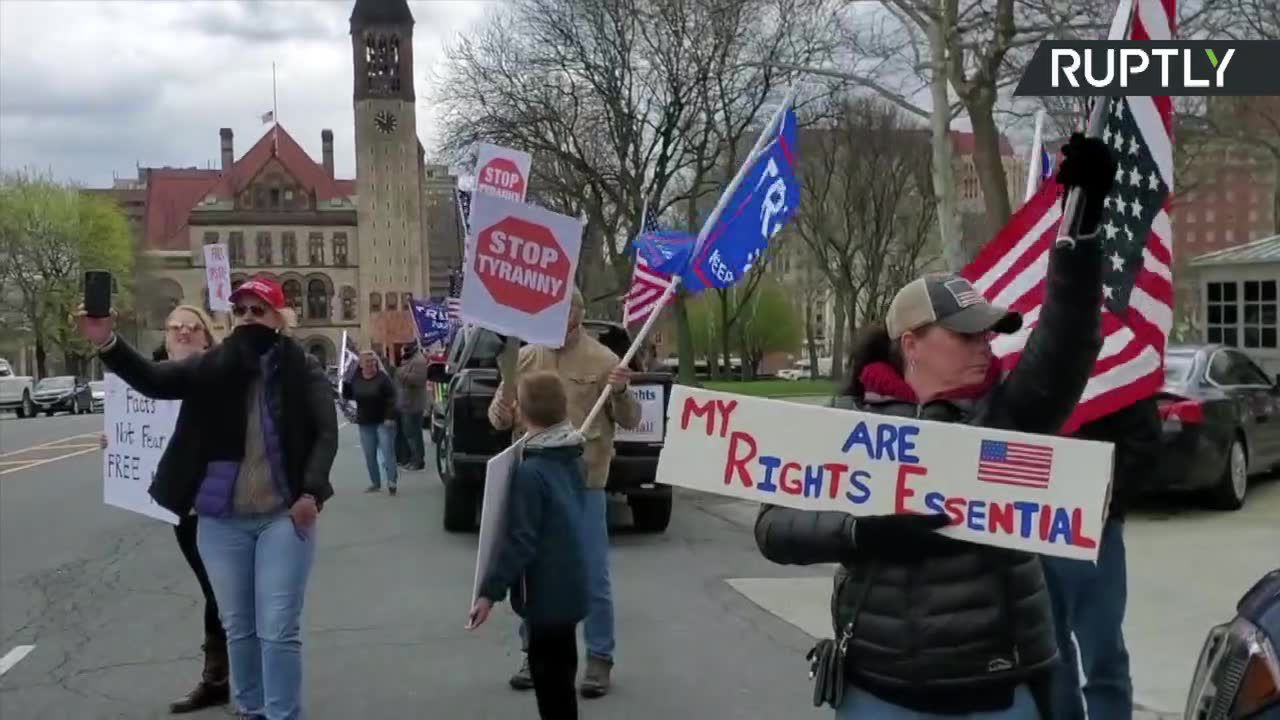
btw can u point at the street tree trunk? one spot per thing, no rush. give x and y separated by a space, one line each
986 160
684 340
944 182
837 338
810 336
42 358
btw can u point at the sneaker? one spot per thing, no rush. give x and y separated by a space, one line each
373 489
522 680
392 490
595 681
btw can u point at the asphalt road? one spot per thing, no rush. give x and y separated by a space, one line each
114 614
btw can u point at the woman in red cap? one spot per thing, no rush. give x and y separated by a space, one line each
254 464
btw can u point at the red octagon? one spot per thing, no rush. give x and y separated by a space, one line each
501 177
521 265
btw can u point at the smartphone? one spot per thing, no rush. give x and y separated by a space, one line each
97 293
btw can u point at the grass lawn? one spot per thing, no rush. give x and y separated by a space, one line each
772 388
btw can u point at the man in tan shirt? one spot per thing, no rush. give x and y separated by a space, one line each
587 369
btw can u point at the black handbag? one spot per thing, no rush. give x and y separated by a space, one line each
826 669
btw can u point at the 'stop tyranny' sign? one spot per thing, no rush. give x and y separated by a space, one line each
503 172
519 277
1037 493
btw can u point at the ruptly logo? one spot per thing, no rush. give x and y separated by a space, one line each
1132 67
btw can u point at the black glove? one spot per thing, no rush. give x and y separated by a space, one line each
906 536
1088 164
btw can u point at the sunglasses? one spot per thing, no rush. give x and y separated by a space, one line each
254 310
185 327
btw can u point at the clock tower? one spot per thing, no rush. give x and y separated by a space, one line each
389 168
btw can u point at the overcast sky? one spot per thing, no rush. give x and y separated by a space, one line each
90 89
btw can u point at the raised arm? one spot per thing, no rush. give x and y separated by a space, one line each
165 380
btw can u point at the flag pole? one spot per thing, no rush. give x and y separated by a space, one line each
342 363
1071 209
1034 170
275 114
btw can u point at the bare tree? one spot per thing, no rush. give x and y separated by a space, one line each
865 213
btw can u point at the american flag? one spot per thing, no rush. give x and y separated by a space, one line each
453 303
1013 463
647 284
1136 240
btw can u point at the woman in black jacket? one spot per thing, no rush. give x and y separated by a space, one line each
937 626
251 453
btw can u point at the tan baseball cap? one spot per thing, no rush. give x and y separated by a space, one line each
950 301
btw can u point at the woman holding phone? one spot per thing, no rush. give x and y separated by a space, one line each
251 454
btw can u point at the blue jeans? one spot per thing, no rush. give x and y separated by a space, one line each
258 566
597 629
1089 600
411 428
372 438
863 705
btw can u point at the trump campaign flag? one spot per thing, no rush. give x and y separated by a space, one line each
432 321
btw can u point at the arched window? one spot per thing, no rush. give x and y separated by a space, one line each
293 295
375 302
320 352
391 301
317 300
348 303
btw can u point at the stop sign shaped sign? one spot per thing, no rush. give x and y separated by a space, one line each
522 265
502 177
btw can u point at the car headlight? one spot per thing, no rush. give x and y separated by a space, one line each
1237 675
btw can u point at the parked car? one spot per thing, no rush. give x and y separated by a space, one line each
1238 673
793 373
1221 417
15 391
63 393
465 440
98 390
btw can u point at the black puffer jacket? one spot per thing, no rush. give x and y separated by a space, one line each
960 630
210 424
1135 431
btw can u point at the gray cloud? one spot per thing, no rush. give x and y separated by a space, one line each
113 84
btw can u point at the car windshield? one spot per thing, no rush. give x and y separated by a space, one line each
1177 368
56 383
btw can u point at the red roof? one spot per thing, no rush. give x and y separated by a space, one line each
962 143
173 193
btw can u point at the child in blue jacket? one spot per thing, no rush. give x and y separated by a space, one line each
541 559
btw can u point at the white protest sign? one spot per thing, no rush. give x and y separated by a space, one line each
217 275
650 429
138 429
503 172
1037 493
498 473
519 278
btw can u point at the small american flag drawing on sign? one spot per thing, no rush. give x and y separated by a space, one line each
1013 463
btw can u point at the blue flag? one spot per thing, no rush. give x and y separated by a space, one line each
1046 165
665 251
432 320
759 205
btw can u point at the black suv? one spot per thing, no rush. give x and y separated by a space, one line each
465 440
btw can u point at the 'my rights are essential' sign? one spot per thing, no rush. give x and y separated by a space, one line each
1172 67
1037 493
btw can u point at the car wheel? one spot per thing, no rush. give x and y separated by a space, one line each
651 514
460 504
1233 485
28 407
75 407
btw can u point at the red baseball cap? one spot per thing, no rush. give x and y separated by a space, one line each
263 288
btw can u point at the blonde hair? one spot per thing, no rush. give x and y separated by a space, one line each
203 317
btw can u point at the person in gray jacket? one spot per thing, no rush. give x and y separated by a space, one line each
411 402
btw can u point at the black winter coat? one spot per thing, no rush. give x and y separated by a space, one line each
960 630
210 424
1135 431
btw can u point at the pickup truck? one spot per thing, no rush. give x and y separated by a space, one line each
15 392
465 440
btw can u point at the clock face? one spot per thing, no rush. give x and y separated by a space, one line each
385 122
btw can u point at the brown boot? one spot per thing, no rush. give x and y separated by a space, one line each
595 681
214 687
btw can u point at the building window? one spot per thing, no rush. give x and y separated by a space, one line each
210 238
1208 216
1191 238
340 249
1253 216
1223 313
1260 316
1228 236
348 303
288 248
264 248
406 301
315 248
391 301
293 295
317 300
236 249
275 198
375 302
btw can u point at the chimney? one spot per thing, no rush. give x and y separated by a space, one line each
326 150
228 151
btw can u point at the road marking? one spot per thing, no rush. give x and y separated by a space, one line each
49 444
13 657
46 461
